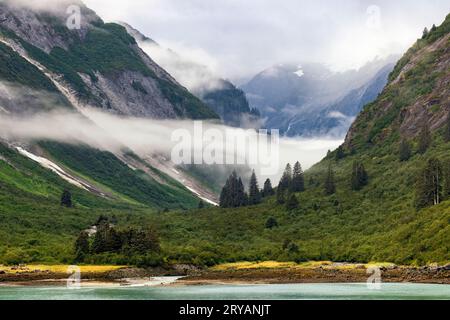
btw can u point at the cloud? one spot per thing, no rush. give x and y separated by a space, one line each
245 37
193 68
156 137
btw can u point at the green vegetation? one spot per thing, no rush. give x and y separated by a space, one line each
13 68
108 170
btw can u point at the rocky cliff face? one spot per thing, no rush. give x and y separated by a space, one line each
417 94
99 64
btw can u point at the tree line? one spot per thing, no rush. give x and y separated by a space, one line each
109 239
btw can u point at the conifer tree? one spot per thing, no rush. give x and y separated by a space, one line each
340 154
286 179
298 179
429 185
242 196
424 139
330 187
201 204
268 189
271 223
254 196
66 199
281 196
82 246
446 188
292 202
447 129
359 176
404 150
425 33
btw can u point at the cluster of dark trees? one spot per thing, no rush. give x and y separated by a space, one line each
233 194
129 241
292 181
433 184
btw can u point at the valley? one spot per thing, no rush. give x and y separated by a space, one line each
382 197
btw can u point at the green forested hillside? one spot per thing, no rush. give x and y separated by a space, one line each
379 222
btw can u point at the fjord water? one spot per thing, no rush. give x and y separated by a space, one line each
388 291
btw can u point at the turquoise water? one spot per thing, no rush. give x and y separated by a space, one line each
394 291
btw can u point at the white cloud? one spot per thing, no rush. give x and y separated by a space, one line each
245 37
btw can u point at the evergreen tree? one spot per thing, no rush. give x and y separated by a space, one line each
292 202
433 28
429 185
447 129
106 239
201 204
446 189
330 187
271 223
425 33
82 246
254 195
424 139
66 199
404 150
242 196
286 179
233 193
268 190
340 154
298 179
281 196
359 176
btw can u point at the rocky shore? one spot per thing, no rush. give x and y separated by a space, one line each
192 275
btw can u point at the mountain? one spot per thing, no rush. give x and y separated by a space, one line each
311 100
222 96
379 221
98 65
47 67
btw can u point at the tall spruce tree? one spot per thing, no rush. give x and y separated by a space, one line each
404 150
286 179
359 176
446 172
330 187
429 185
424 139
82 246
447 129
233 193
298 179
281 196
66 199
268 189
254 194
292 202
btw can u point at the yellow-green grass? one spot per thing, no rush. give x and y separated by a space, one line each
245 265
58 269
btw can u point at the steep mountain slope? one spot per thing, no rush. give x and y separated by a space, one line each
377 223
221 95
311 100
44 66
100 63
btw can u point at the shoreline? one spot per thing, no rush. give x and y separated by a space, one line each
184 275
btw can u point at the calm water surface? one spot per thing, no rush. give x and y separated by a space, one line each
393 291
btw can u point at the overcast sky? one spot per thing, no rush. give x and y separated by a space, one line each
238 38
